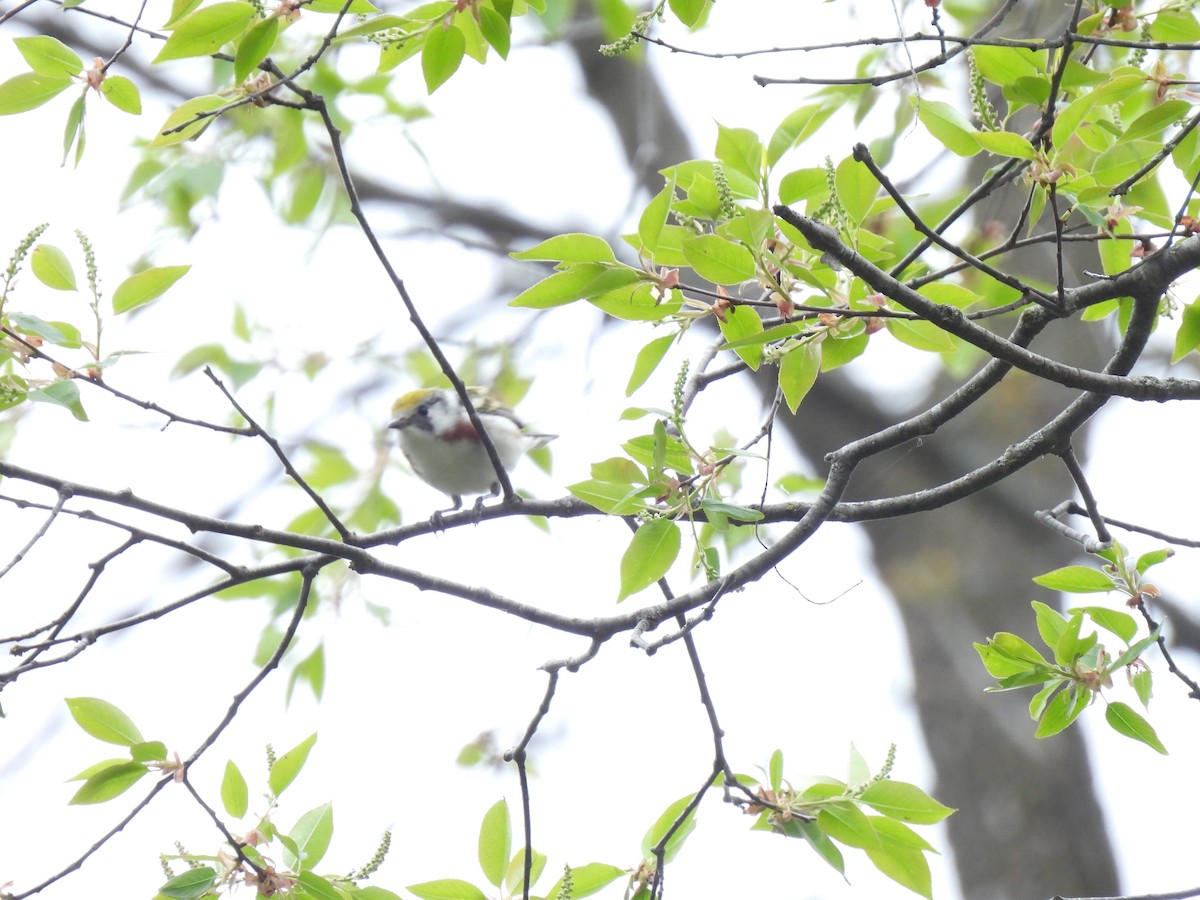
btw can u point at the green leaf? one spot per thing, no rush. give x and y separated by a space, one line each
306 191
75 129
650 554
356 8
818 840
719 260
1124 719
1153 558
903 864
798 372
288 766
739 324
654 219
148 751
578 282
647 361
235 796
775 771
741 150
192 884
495 842
52 268
849 825
1187 338
613 498
856 188
1154 121
1050 622
103 721
655 834
588 879
122 93
1075 580
150 284
317 888
63 393
49 56
1005 143
904 802
29 90
948 126
310 670
1119 623
688 11
573 247
447 889
1061 711
442 55
254 47
1005 65
920 335
185 115
496 30
795 128
109 782
207 30
311 834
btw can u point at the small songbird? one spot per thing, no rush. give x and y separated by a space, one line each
445 450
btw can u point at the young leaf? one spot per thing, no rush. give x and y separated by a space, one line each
288 766
573 247
49 56
52 268
109 782
856 188
122 93
659 829
183 124
29 90
849 825
1050 623
649 555
775 771
718 260
441 56
688 11
254 47
205 31
64 393
948 126
147 285
798 372
311 834
447 889
192 884
1075 580
647 361
654 219
1125 720
495 842
588 879
739 325
905 802
235 796
103 721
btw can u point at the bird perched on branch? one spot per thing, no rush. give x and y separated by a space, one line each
445 450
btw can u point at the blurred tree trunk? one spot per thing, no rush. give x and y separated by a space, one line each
1028 824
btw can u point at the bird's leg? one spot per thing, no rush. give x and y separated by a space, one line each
436 522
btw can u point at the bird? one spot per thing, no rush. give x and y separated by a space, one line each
445 450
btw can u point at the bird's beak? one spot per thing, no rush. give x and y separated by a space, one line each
400 422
